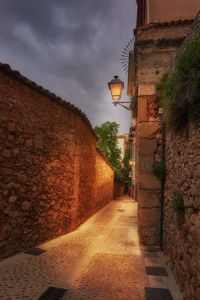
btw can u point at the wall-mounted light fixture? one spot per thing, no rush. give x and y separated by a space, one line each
116 86
131 162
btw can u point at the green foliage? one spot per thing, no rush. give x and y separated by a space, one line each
118 176
127 158
122 171
107 133
181 88
177 203
159 170
126 167
161 83
133 99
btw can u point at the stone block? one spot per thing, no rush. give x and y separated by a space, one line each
148 199
12 199
146 89
38 141
142 109
148 129
6 171
6 153
26 205
146 146
145 163
11 127
150 236
149 217
148 181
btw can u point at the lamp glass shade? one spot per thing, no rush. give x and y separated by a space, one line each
116 86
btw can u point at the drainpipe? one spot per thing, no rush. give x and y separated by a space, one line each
160 113
136 164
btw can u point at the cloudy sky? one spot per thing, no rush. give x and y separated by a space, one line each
72 48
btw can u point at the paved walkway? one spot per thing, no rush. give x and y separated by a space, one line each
99 260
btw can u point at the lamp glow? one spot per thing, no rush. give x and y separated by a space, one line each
116 86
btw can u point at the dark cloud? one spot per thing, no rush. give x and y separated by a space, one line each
71 47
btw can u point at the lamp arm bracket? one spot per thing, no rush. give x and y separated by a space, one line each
123 101
120 103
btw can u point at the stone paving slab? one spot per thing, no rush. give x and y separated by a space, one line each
161 282
99 260
110 277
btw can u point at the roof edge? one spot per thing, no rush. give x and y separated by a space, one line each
162 24
100 152
6 69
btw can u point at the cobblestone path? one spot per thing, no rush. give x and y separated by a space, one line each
99 260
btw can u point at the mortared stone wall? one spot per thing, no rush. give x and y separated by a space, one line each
52 176
181 238
155 48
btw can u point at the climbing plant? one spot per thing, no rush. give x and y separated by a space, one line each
133 99
159 170
177 205
181 88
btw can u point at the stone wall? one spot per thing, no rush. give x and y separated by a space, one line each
162 10
182 239
104 188
155 48
118 190
52 177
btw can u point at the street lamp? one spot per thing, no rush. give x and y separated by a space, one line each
116 86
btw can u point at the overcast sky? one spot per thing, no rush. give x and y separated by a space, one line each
72 48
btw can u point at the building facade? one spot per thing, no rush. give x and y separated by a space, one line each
122 141
161 28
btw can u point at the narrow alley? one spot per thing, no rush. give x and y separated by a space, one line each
99 260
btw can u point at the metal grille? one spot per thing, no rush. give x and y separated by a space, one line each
157 294
156 271
35 251
53 293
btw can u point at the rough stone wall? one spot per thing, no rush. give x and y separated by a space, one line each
118 190
49 166
155 48
104 189
182 240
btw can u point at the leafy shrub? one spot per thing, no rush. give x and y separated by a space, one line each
159 170
133 99
181 88
177 203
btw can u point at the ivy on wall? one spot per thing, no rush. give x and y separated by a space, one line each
159 170
133 99
177 206
181 88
